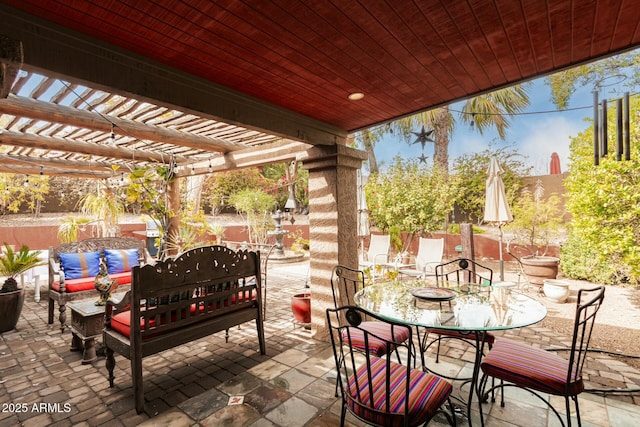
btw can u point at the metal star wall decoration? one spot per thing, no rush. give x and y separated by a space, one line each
423 159
423 137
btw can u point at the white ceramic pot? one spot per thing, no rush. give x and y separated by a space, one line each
556 290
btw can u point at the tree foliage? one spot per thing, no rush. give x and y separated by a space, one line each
620 70
271 179
603 242
536 220
148 188
491 110
471 172
18 192
417 199
221 186
255 206
105 207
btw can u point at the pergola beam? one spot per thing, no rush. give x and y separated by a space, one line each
58 164
276 152
66 145
26 107
35 170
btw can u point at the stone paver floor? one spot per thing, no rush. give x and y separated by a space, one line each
213 383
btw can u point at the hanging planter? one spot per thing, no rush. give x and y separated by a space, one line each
301 307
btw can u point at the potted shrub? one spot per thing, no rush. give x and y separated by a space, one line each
12 264
217 229
536 223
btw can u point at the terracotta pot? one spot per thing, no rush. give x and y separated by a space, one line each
539 268
10 309
301 307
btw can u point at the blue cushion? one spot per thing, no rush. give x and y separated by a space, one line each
78 265
121 260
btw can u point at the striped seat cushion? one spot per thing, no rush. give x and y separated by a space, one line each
531 367
427 393
377 346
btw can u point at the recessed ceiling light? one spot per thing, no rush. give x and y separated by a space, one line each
356 96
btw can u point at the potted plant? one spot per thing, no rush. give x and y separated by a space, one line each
217 229
536 224
402 255
69 228
12 264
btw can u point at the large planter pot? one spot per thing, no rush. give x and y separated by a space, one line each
539 268
556 290
10 309
301 307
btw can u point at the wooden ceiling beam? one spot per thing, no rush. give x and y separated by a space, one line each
46 163
60 144
26 107
275 152
35 170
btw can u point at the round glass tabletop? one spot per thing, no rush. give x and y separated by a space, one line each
451 306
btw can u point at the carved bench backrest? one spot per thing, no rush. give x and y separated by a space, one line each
199 284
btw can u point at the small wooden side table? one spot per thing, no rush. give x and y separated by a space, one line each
87 323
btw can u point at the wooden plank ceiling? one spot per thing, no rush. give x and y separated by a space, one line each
307 57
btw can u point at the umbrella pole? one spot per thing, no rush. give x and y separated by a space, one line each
501 260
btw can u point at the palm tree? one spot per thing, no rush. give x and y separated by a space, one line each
482 112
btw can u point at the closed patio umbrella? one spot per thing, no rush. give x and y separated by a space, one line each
496 207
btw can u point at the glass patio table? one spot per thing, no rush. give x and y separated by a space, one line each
467 308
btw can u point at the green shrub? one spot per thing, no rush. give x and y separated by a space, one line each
411 199
604 201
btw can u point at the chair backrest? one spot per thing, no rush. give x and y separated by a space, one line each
464 270
345 282
370 370
582 328
379 245
430 252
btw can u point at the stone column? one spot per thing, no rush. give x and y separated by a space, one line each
333 236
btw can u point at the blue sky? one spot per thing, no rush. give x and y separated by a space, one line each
535 135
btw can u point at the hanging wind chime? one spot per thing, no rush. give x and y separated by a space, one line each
600 129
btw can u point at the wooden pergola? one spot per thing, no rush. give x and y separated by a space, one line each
53 127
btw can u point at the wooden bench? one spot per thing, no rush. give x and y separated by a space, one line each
265 249
203 291
77 282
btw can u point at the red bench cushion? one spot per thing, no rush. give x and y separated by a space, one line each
87 283
121 322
